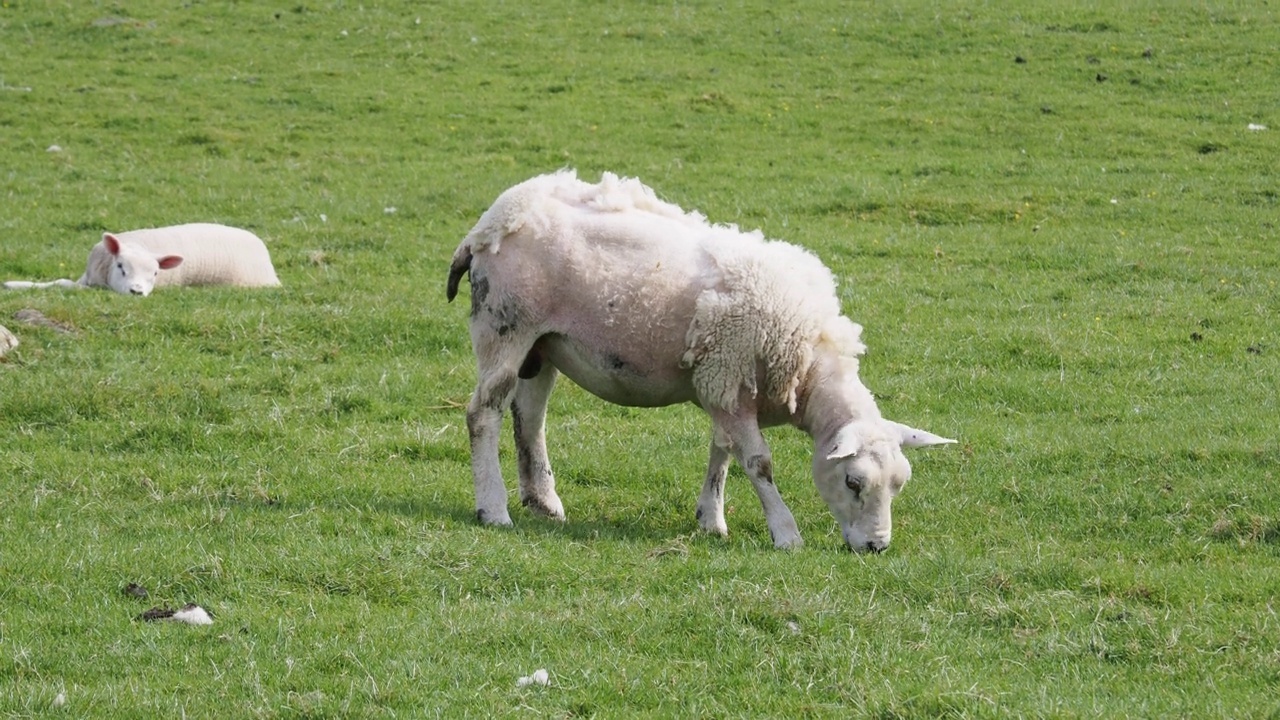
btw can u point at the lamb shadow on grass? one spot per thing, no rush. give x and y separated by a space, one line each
642 528
638 524
655 522
644 525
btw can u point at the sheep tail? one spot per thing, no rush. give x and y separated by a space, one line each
460 266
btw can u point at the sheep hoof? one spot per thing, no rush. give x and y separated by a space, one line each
711 527
493 519
794 542
547 507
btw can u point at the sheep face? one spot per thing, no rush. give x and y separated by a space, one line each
860 488
133 269
860 470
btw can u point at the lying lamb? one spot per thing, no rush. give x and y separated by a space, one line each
195 254
643 304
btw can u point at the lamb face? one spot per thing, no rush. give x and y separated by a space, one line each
134 269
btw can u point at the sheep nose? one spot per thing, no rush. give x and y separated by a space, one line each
135 291
877 546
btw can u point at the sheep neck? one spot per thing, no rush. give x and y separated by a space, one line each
832 396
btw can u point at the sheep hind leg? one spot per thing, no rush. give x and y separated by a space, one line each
484 423
752 452
711 502
528 418
501 340
498 361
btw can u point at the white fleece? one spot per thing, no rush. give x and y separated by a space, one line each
765 306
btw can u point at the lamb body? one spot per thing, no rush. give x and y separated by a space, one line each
644 304
137 261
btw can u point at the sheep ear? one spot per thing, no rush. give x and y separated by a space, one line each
911 437
111 242
168 262
846 443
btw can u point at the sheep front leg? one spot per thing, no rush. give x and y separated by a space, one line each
528 418
742 433
484 423
711 502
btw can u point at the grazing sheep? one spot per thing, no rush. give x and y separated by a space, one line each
644 304
195 254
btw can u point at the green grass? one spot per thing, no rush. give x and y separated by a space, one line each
1068 262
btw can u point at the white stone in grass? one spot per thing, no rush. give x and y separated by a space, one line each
1256 127
539 677
60 699
54 149
8 341
193 614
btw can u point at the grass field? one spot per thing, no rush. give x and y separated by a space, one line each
1055 224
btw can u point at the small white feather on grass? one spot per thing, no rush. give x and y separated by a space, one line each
539 677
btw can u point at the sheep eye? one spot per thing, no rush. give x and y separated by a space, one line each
854 484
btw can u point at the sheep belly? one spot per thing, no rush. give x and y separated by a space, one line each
621 374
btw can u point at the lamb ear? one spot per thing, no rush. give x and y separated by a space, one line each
111 242
911 437
846 443
168 262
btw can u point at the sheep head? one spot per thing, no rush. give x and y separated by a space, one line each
134 269
859 470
